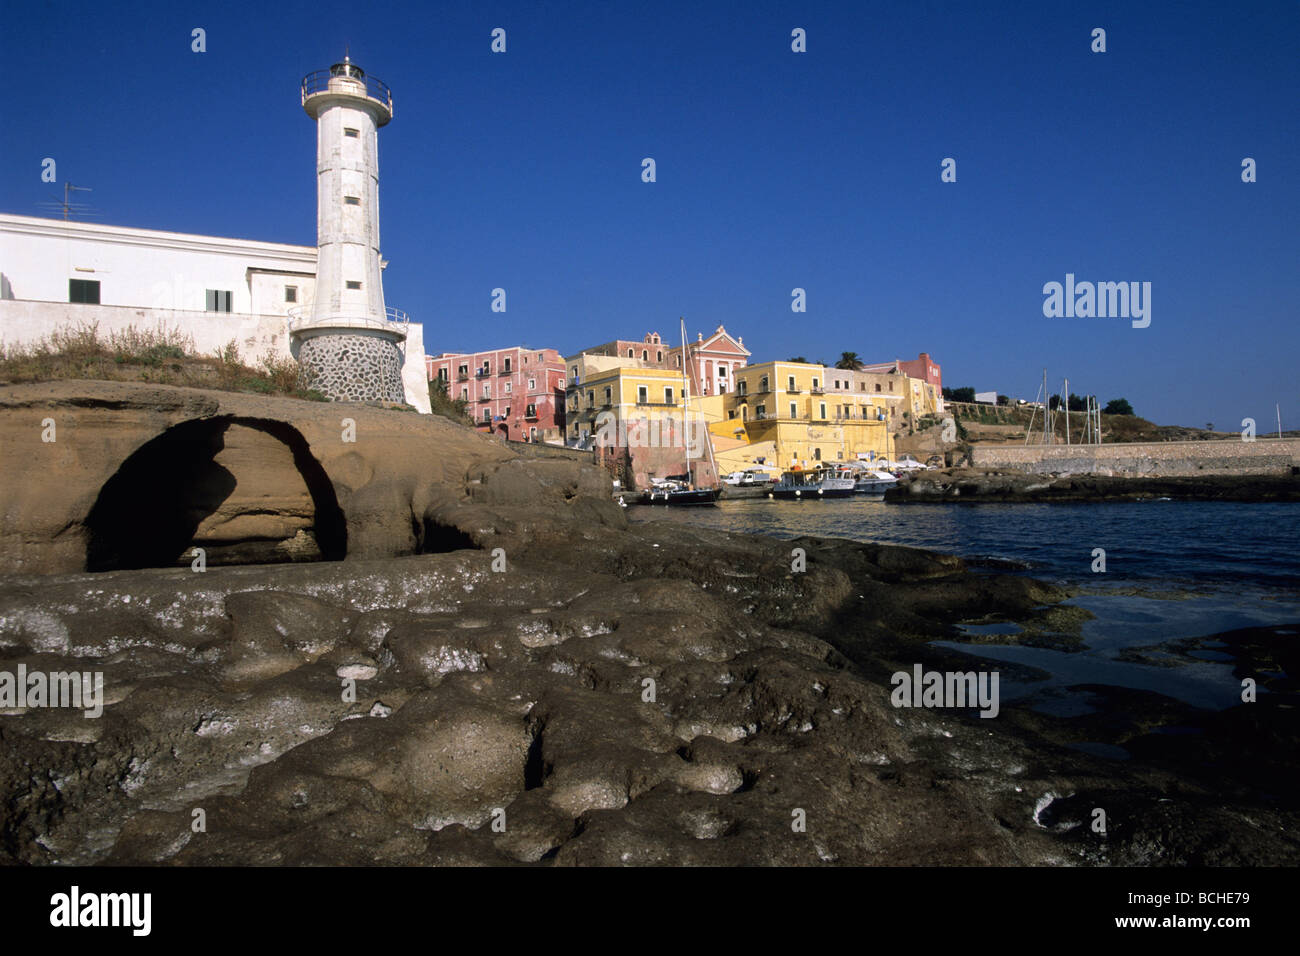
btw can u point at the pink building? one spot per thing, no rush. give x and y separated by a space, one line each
515 393
713 361
924 368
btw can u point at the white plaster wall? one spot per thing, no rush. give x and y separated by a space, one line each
414 376
25 323
141 267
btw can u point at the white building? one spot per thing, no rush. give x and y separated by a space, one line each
56 273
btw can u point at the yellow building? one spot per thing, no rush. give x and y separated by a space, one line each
634 416
788 407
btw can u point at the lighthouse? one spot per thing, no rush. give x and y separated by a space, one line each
348 345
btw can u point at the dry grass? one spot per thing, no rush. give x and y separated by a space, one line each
160 356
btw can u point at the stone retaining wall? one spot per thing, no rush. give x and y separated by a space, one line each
1265 456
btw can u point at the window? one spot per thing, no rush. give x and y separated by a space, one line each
83 290
218 301
353 284
354 133
741 387
508 388
487 390
722 371
532 384
559 383
629 353
352 200
505 366
814 385
506 414
762 384
442 374
817 454
487 416
591 399
532 433
823 410
643 395
464 394
794 410
574 372
668 395
731 413
659 356
790 383
877 386
645 355
609 395
462 371
291 293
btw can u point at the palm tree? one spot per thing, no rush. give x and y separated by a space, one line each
849 361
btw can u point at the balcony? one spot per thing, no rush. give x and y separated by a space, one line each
818 390
348 79
530 413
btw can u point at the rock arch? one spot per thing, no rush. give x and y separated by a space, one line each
247 490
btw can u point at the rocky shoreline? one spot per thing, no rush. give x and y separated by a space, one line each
969 485
524 677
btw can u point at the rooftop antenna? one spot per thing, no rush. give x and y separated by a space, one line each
68 207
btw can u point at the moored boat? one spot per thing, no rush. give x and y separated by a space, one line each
816 484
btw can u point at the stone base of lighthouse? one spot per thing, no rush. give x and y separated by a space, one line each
352 365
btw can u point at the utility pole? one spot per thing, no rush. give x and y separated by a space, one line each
1278 409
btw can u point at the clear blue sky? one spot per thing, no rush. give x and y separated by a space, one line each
775 170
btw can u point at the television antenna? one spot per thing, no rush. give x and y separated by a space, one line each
68 207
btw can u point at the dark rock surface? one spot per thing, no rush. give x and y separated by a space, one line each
503 717
503 671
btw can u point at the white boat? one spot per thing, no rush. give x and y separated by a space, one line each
873 482
815 484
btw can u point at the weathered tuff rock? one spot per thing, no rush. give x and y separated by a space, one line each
977 485
645 694
136 473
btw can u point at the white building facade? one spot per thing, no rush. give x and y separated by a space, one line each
56 273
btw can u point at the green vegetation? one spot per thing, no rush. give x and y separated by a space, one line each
1118 406
457 409
966 394
160 356
849 361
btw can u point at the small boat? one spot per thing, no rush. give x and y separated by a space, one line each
818 483
874 482
870 481
677 491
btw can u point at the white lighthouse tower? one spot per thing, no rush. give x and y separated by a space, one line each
347 343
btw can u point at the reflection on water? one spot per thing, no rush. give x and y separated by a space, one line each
1174 569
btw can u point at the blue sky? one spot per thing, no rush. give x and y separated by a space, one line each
775 170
